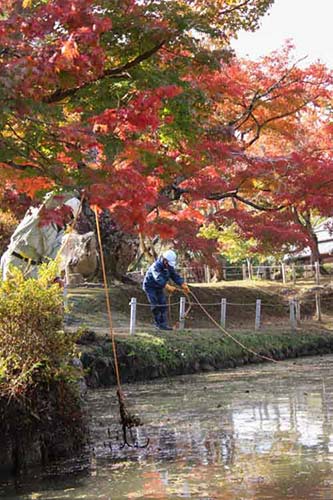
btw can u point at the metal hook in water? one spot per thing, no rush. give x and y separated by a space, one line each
135 443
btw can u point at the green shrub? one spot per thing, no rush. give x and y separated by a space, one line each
33 345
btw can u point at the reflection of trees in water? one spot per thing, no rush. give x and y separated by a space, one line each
200 442
167 443
303 417
274 441
303 414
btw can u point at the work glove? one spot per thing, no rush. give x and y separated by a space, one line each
170 288
185 288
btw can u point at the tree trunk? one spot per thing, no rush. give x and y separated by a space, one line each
315 254
304 220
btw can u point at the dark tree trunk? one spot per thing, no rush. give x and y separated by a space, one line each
314 246
315 254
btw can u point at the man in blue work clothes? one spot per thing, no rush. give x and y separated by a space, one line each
155 280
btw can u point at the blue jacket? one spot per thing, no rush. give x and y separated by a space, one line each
158 275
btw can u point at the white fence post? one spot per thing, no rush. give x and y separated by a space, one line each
182 305
65 295
223 312
207 273
292 315
283 270
133 316
249 270
258 314
317 271
244 271
318 306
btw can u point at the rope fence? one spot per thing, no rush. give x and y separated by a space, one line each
293 310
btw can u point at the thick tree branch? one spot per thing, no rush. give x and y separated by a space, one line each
61 94
257 206
23 167
235 196
221 196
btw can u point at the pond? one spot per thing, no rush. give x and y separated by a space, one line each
260 432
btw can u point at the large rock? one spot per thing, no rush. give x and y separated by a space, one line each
79 257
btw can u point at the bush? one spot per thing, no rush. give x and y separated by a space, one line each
34 346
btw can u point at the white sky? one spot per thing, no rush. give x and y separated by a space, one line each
309 23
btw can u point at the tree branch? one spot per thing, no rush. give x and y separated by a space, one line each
61 94
232 9
271 119
258 206
23 167
234 195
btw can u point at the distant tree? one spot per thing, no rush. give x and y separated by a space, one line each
266 159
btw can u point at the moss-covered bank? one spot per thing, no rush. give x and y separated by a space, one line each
149 356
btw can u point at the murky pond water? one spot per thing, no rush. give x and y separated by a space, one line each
262 432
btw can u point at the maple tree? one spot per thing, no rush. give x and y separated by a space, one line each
142 104
64 61
86 91
267 150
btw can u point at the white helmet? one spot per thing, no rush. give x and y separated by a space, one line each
171 257
74 204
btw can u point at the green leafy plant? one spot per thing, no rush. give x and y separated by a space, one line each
34 346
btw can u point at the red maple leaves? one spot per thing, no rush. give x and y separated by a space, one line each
247 142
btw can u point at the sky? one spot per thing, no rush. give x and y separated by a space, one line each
308 23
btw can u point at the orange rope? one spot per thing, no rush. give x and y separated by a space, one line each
108 304
127 419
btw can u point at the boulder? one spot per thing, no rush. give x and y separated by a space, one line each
79 257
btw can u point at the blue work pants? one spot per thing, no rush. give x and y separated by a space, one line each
157 301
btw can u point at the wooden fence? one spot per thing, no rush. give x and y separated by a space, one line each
293 311
284 273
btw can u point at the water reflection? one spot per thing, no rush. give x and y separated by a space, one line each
258 433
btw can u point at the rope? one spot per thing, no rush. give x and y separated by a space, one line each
252 304
157 305
267 358
108 304
127 420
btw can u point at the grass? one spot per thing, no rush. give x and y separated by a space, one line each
145 356
89 309
202 346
